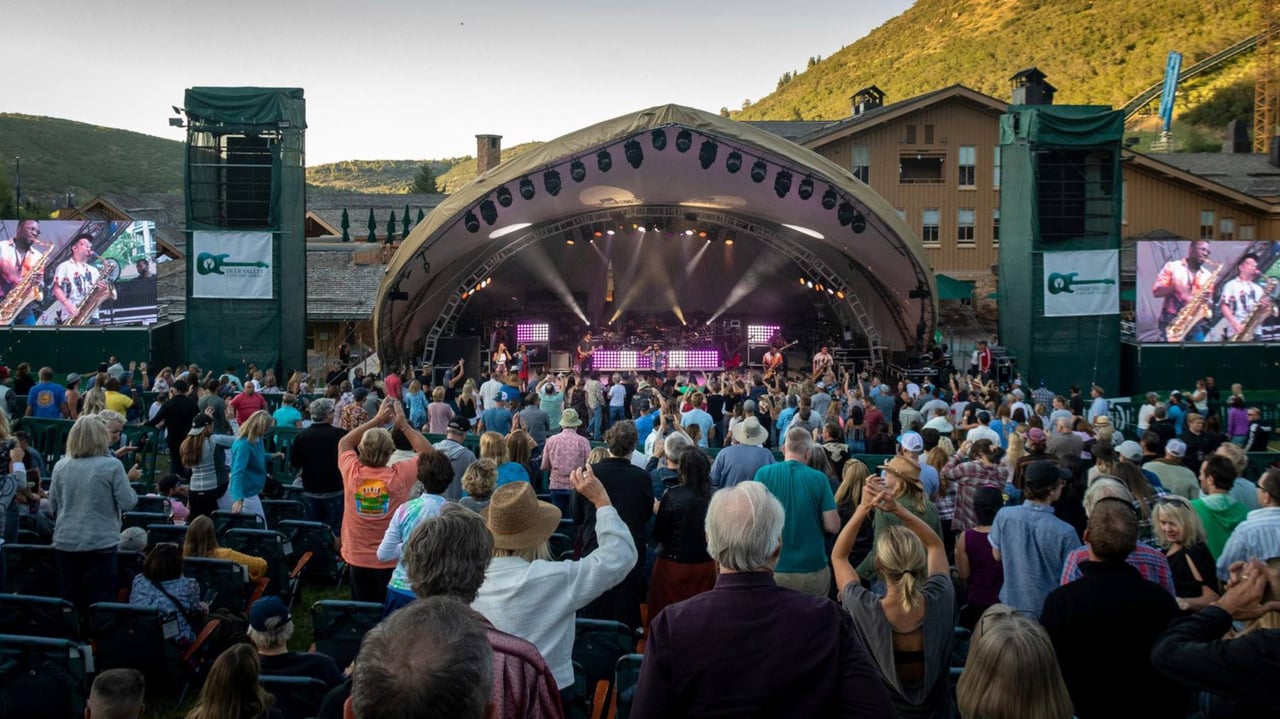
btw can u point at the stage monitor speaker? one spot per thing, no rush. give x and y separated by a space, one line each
537 354
558 362
449 349
755 356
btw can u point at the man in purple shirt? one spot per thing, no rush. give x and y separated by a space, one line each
749 647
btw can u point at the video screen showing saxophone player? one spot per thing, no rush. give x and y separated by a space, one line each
77 273
1208 291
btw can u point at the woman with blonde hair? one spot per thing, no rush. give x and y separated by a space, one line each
467 401
493 447
438 411
232 690
1191 566
478 481
249 465
908 632
1012 671
848 494
95 400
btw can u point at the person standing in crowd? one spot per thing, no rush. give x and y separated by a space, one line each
417 407
1172 473
246 403
459 456
209 398
1259 534
1219 513
534 420
1181 534
977 570
740 461
437 413
315 457
683 568
1259 431
375 491
73 395
435 473
564 453
176 416
1030 542
749 647
287 415
1099 406
47 399
88 493
493 447
810 509
1011 671
210 475
249 465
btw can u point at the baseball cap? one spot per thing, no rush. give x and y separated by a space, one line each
360 393
1130 450
269 612
1176 448
73 377
133 539
459 424
1035 435
198 424
912 442
1044 475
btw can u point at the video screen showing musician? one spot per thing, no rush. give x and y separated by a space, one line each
1245 305
19 258
1184 284
75 279
585 350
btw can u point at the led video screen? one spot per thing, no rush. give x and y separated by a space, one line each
1207 291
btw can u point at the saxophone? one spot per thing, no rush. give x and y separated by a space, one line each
1250 326
27 290
1195 311
101 291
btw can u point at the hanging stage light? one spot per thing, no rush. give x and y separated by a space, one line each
845 214
829 199
659 139
504 196
551 182
782 183
759 171
604 160
805 191
526 188
733 162
635 155
471 222
488 211
707 154
859 223
577 171
684 140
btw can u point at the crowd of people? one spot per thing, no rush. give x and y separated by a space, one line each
1092 574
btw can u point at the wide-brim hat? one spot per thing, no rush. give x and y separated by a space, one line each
749 431
517 519
570 418
903 467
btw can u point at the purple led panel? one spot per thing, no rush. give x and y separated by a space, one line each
530 334
761 334
694 359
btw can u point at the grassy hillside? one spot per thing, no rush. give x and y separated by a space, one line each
63 155
374 176
465 171
1094 51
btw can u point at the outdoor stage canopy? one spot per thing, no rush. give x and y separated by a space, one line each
674 168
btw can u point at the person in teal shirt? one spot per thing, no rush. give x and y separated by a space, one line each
288 414
810 509
249 465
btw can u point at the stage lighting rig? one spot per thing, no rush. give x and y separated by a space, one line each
504 196
684 140
759 171
634 153
733 162
577 171
707 154
604 161
526 188
805 191
782 183
551 182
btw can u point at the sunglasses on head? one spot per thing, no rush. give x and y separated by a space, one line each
1172 499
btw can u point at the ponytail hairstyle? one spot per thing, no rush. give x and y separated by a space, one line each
901 560
193 446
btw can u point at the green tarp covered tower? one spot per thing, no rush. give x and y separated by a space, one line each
1061 192
245 188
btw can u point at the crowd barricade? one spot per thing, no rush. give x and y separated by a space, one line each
48 437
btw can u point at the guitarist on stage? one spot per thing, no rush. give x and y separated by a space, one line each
657 359
822 362
585 350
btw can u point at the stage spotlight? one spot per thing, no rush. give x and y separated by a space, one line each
551 182
504 196
845 214
634 154
688 233
526 188
859 223
829 199
729 238
604 161
707 154
782 183
577 171
759 171
659 139
840 294
684 140
805 191
471 222
733 162
488 211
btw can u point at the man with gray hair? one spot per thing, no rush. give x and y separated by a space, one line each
429 660
750 647
116 694
315 456
1151 563
270 627
667 474
810 510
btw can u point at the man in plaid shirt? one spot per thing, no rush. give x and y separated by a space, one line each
1151 563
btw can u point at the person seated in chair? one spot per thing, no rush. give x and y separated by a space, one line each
116 694
270 627
161 585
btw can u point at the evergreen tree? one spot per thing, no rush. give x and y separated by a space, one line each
424 183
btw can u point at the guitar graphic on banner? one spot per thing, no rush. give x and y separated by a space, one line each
208 263
1059 283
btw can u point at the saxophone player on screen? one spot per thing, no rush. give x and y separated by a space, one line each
75 280
1187 288
19 259
1245 304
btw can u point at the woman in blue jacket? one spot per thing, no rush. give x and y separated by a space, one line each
249 464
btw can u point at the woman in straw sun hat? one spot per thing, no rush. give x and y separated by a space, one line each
524 592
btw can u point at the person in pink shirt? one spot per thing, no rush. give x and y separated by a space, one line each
564 453
393 384
246 403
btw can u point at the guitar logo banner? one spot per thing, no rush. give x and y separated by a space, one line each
1081 283
231 265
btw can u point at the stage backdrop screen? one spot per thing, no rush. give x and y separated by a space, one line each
1207 291
77 272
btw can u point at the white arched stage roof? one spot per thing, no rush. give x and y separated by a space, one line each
877 281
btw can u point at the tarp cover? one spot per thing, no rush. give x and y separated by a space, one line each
248 106
949 288
1062 125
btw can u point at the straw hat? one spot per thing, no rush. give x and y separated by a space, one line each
517 519
749 431
570 418
903 467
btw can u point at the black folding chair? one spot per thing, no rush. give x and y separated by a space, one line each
279 510
154 504
317 538
296 697
31 569
598 644
226 580
157 533
132 636
128 566
38 617
338 626
224 521
144 519
43 678
273 547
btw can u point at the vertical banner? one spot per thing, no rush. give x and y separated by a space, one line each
231 265
1081 283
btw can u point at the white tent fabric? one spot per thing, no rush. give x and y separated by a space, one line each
890 285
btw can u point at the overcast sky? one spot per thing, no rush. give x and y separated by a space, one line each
396 79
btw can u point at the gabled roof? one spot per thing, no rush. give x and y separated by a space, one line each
1167 165
880 115
790 129
1250 173
165 210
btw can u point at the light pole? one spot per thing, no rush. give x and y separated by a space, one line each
17 186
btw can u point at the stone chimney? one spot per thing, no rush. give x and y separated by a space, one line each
1031 88
1237 140
488 152
868 98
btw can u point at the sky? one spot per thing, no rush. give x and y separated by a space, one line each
397 79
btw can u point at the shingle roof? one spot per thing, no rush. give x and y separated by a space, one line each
1250 173
854 121
790 129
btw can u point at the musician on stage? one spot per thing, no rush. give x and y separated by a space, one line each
17 257
774 363
501 358
585 350
822 362
75 278
1180 281
1242 295
657 358
521 366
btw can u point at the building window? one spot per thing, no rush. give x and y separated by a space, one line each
901 212
920 169
862 163
1227 229
995 168
995 227
929 233
911 135
1247 232
968 166
1206 224
964 227
928 134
